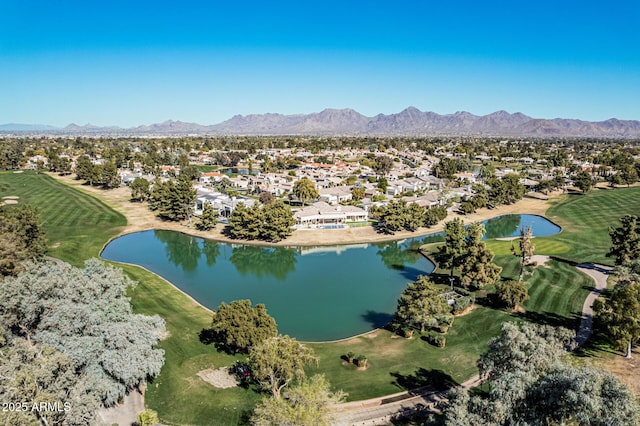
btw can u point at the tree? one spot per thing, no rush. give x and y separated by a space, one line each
245 222
22 237
84 169
513 189
38 373
523 348
420 305
277 221
433 215
629 175
85 314
625 240
531 382
414 217
309 403
357 193
265 197
512 293
208 218
190 172
526 248
382 184
109 176
174 200
476 267
451 254
583 181
446 168
620 312
304 190
140 189
383 165
270 222
277 361
239 327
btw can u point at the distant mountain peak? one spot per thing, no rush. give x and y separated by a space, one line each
347 121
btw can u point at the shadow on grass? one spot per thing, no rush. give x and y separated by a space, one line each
437 379
377 319
210 337
552 319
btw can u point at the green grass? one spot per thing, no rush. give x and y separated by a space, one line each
77 224
178 394
585 220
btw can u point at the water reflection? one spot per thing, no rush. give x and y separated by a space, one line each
211 251
182 250
276 262
501 226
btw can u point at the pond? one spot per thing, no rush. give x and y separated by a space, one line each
314 293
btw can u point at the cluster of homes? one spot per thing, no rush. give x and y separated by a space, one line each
410 180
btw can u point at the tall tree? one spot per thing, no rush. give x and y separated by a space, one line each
239 326
383 164
451 254
420 305
620 312
512 293
278 361
174 200
583 181
277 221
309 403
245 222
477 268
304 190
526 248
625 240
208 219
140 189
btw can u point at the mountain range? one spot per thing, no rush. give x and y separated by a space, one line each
347 122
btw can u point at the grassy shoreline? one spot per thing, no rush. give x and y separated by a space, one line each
79 224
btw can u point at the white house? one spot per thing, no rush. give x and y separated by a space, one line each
323 215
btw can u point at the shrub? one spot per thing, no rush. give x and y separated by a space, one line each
361 361
437 340
350 357
462 302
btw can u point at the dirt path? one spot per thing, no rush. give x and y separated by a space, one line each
599 274
123 414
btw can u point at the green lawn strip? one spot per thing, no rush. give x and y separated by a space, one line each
77 224
396 364
585 220
178 394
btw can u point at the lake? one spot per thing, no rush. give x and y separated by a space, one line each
314 293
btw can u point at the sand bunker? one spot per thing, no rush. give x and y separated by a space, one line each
220 378
10 197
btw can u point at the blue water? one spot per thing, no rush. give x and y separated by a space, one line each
314 293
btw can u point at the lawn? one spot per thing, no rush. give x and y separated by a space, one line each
178 394
78 225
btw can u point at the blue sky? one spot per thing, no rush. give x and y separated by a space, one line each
131 62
